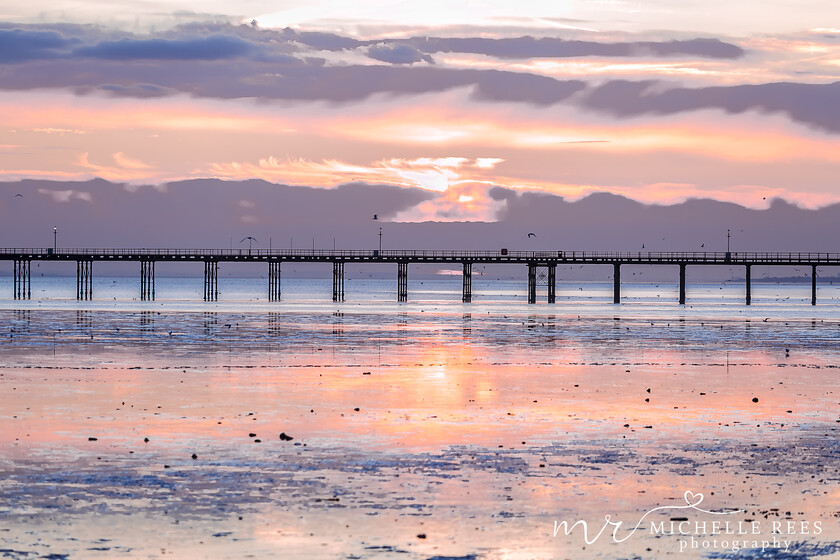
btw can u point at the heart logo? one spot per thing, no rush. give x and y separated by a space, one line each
692 499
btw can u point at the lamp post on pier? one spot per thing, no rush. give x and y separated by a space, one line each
728 252
55 238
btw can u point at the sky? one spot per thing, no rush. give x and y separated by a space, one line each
657 101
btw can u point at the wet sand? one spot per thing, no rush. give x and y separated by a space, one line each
450 437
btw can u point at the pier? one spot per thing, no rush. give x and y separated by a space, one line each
533 260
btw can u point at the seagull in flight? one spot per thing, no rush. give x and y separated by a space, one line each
18 195
530 235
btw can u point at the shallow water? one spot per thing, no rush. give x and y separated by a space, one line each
479 426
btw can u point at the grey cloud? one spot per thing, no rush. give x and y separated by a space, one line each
398 54
137 90
217 47
19 45
495 85
323 41
298 82
812 104
551 47
528 47
196 59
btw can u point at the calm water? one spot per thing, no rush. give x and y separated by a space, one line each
379 295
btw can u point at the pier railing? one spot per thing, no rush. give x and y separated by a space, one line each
751 257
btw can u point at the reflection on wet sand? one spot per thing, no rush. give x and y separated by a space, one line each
478 433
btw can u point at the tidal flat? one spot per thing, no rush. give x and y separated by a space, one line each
418 434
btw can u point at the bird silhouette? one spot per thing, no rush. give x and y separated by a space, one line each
18 194
530 235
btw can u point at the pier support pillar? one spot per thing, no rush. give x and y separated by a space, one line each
147 280
211 280
22 279
616 283
84 279
338 281
402 281
552 283
747 278
274 280
532 283
682 284
466 289
813 284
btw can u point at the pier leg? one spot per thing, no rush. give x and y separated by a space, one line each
22 287
402 281
747 277
84 279
22 277
682 284
616 283
211 280
466 288
147 280
274 280
338 281
813 284
552 283
532 283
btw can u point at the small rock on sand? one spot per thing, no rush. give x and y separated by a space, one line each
285 437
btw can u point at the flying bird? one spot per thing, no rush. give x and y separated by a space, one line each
530 235
18 195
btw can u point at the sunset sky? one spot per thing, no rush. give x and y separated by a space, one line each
658 101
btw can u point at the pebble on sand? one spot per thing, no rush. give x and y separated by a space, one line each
93 439
285 437
755 399
194 456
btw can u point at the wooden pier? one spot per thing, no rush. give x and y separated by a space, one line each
534 260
